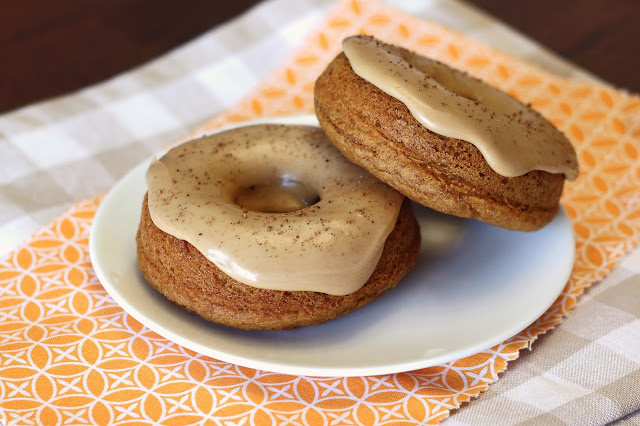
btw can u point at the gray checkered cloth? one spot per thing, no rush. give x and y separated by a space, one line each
586 371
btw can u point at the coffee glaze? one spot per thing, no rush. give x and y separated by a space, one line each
332 246
512 138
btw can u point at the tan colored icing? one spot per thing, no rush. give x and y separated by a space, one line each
513 139
332 246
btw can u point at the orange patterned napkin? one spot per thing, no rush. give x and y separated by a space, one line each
69 354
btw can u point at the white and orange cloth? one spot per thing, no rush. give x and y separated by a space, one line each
70 355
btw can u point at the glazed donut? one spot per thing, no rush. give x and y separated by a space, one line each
210 244
441 137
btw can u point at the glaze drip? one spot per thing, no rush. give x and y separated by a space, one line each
513 138
331 246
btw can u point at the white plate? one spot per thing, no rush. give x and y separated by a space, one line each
474 286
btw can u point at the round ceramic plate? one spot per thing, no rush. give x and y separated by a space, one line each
474 286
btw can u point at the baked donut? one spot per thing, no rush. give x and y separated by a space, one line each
202 244
441 137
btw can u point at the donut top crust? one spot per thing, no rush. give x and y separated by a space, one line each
331 247
512 138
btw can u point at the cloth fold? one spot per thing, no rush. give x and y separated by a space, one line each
68 353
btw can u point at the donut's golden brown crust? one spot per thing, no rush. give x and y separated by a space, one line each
184 276
377 132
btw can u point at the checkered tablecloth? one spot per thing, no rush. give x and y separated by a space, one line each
54 153
585 372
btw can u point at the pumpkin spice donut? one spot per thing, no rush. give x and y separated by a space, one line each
441 137
270 227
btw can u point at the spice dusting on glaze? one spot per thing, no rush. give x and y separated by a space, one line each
513 139
332 246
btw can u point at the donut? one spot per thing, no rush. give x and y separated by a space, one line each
269 227
441 137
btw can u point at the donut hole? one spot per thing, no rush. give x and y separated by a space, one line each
282 194
471 88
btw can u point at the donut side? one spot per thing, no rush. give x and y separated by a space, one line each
187 278
378 132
